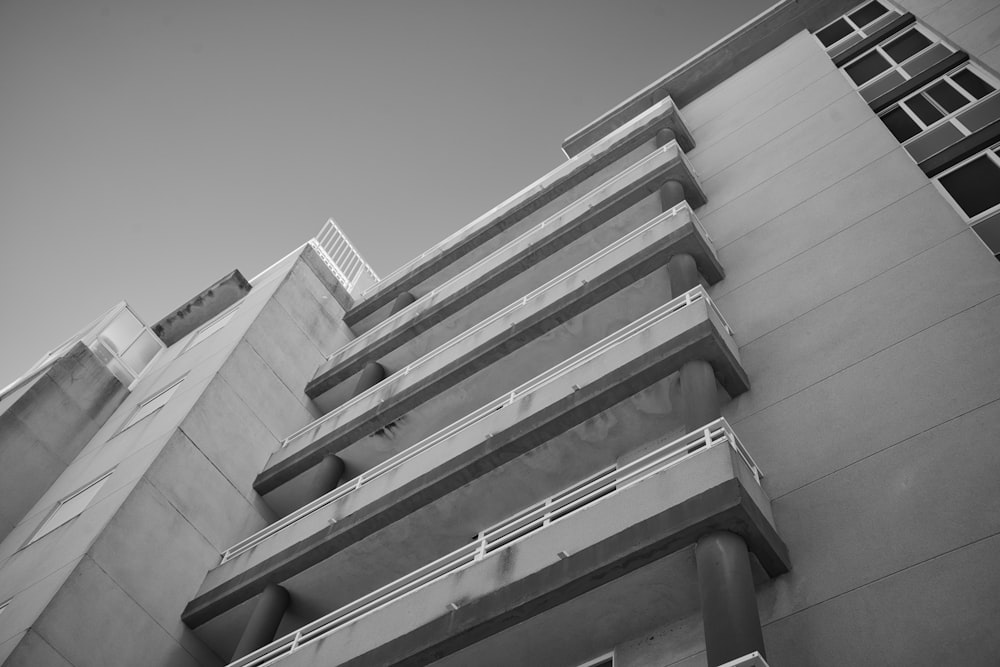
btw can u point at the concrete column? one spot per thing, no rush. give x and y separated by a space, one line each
671 194
371 375
403 299
683 272
264 620
664 137
328 474
699 398
728 601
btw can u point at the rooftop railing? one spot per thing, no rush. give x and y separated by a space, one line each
461 278
511 530
643 323
527 192
343 259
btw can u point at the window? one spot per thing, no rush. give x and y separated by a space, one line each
973 188
853 27
212 327
894 61
149 406
126 346
70 507
944 112
4 606
604 661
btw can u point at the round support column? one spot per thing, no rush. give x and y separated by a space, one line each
699 398
671 194
683 272
371 375
328 474
664 137
264 620
728 601
403 299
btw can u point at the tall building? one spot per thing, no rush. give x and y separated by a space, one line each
720 389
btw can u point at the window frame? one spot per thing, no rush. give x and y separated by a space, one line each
593 662
948 117
44 528
857 29
993 153
132 421
935 40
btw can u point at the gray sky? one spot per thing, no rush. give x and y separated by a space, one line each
147 148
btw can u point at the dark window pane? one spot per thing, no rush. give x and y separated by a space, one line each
947 96
900 124
982 114
906 46
931 56
972 83
834 32
868 13
925 111
881 86
867 67
975 186
934 141
989 232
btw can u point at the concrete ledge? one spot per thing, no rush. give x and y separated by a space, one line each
960 150
594 548
716 63
573 222
691 333
202 307
671 235
884 101
663 116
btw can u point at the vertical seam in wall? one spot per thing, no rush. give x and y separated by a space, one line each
38 634
299 396
277 437
927 19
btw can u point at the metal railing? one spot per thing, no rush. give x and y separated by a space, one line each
342 258
461 278
511 530
525 193
625 333
398 376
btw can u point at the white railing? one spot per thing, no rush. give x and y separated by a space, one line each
604 484
462 278
546 181
629 331
343 259
398 376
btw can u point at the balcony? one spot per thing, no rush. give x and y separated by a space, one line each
501 223
506 348
572 572
416 505
553 246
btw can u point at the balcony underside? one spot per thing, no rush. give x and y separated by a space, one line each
616 566
507 215
525 263
591 417
590 281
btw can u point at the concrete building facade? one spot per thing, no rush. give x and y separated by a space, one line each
720 389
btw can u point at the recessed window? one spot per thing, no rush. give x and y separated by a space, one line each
149 406
212 327
894 61
973 187
867 67
867 13
908 45
70 507
973 84
851 28
835 32
603 661
4 606
900 124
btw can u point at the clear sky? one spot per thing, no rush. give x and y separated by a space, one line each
149 147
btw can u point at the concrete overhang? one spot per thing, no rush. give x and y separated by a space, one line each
597 207
670 233
715 64
312 557
202 307
628 137
607 561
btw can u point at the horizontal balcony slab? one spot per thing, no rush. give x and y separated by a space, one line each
610 548
549 248
508 213
404 500
622 263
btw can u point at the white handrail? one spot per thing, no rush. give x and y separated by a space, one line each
537 186
341 257
600 347
511 530
461 279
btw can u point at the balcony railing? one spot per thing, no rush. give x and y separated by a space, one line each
629 331
343 259
520 304
508 532
538 186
